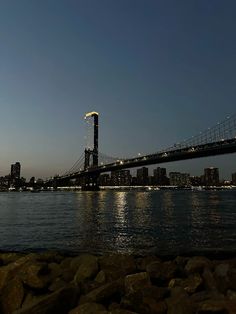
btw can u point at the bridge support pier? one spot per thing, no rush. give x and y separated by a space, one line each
90 183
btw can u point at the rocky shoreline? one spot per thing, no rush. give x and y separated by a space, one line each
50 282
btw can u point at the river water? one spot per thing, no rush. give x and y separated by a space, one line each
139 222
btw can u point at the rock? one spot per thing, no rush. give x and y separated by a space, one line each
134 302
206 295
9 271
175 282
32 297
35 274
222 277
222 270
101 277
104 293
12 296
55 270
50 257
162 272
197 264
89 308
213 307
66 263
142 262
87 269
122 311
231 295
180 305
232 278
147 300
57 284
59 302
117 265
7 258
178 292
192 283
136 282
67 275
209 280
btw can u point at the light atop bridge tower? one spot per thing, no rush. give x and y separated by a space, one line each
91 114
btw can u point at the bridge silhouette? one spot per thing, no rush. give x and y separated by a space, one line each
217 140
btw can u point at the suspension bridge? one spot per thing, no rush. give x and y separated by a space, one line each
217 140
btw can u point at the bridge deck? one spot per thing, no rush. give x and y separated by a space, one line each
205 150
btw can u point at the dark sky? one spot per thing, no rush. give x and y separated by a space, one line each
157 72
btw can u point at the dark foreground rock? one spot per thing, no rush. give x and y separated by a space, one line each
49 282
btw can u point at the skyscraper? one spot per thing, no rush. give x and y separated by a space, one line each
211 176
142 176
15 170
159 176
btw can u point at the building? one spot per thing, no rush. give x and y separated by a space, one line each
159 176
142 176
196 180
211 176
121 178
104 179
179 179
15 171
234 178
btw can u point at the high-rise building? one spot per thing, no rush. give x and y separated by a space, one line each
15 170
121 178
142 176
104 179
159 176
211 176
179 179
234 178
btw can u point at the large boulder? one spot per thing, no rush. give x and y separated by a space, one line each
12 296
89 308
35 275
104 293
59 302
9 271
136 282
196 264
117 265
162 272
87 269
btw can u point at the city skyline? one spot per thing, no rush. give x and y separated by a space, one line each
157 72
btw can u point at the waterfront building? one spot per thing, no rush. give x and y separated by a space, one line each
121 178
234 178
196 181
159 176
104 179
15 171
179 179
142 176
211 176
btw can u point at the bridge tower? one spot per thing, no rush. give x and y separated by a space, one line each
90 182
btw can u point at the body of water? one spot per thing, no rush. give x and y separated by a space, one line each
138 222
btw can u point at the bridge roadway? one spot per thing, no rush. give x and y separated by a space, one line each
210 149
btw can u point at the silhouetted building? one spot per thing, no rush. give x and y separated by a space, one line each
234 178
179 179
104 179
211 176
15 171
121 177
159 176
142 176
196 181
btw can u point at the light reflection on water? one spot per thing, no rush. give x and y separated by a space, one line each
140 222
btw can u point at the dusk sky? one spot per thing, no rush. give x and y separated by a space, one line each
157 71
